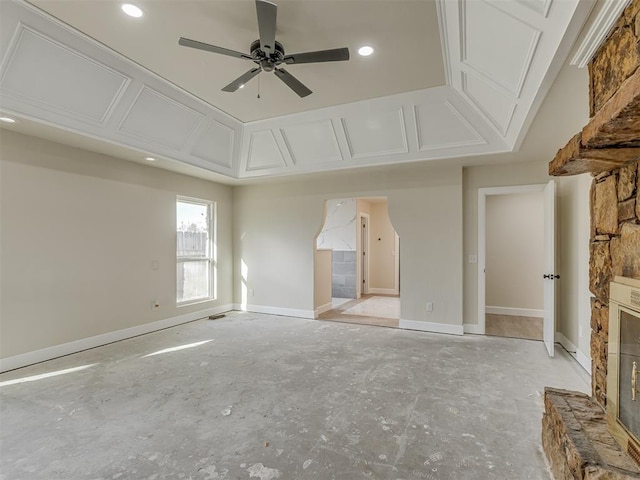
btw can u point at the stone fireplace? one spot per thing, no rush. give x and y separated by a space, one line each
623 396
575 435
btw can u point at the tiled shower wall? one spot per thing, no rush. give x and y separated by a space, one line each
343 281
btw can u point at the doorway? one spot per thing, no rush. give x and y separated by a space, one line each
516 262
357 268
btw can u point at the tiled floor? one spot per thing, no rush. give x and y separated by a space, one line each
378 310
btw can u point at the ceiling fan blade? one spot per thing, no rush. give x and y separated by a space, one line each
292 82
267 13
335 55
185 42
242 80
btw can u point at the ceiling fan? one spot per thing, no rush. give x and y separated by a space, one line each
268 54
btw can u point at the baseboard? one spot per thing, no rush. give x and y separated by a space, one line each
37 356
321 309
518 312
581 358
431 327
382 291
473 328
287 312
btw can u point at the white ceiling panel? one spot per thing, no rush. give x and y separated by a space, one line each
50 76
154 117
404 34
312 143
496 106
264 152
440 125
215 145
377 133
95 72
488 30
540 6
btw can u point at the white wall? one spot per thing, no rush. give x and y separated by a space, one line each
574 308
79 233
514 251
339 229
275 227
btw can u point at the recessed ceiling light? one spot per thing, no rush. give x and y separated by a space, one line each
132 10
241 86
150 159
8 120
365 51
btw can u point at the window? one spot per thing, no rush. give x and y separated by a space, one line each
195 249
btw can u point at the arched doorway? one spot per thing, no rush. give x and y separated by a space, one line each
357 267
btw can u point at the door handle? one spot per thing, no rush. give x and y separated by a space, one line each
634 381
551 276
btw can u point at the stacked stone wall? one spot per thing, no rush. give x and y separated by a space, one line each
615 201
616 60
614 251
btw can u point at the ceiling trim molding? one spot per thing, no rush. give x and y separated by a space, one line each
444 40
479 139
199 118
403 133
515 90
598 30
544 10
492 118
19 34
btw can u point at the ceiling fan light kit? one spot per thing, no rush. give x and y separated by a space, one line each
268 54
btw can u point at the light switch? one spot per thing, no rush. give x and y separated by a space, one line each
155 265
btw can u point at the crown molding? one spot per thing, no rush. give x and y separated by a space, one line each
597 30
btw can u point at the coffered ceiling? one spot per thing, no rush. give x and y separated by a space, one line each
448 79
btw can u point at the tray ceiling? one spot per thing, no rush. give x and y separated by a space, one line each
448 79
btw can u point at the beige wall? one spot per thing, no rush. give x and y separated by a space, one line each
573 231
514 250
480 177
572 236
383 248
275 226
79 233
322 269
46 188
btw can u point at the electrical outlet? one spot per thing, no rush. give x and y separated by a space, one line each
252 292
155 304
473 259
429 306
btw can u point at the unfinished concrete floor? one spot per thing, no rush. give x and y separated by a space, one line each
271 397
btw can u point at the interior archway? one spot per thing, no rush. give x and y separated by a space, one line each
357 263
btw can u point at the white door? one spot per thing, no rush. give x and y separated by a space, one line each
364 239
550 276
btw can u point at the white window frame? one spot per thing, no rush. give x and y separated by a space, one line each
211 249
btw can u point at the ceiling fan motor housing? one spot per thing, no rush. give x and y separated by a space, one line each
267 62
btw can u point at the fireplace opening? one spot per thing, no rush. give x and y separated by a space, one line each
623 378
